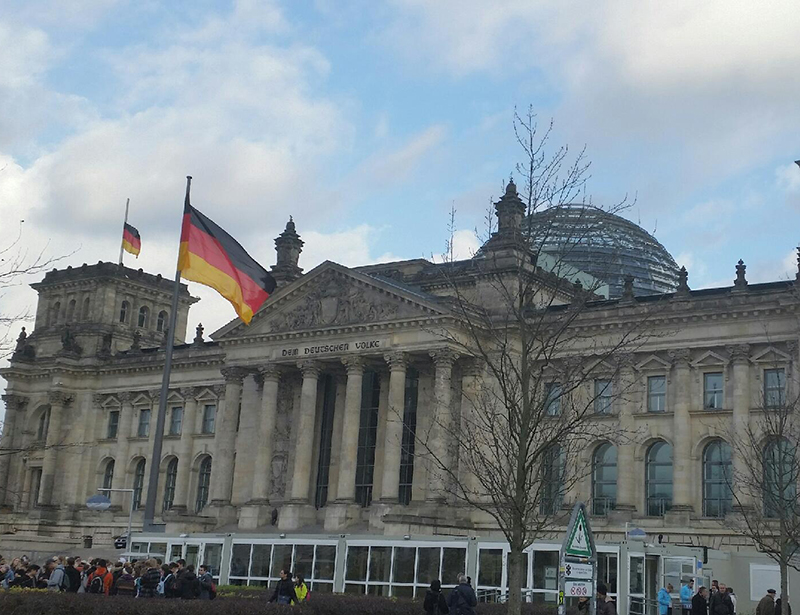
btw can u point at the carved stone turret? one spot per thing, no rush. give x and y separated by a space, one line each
288 245
740 283
509 210
683 283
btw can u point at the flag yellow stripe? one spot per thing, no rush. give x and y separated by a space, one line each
130 248
194 268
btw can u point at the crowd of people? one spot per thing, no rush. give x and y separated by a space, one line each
461 600
145 579
719 599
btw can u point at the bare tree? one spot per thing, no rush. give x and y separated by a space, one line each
540 372
766 473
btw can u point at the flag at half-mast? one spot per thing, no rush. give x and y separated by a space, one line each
131 241
210 256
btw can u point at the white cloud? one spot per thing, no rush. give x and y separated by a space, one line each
788 177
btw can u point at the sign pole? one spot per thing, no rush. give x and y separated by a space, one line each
577 572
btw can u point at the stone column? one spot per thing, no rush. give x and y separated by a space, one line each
59 400
682 482
346 491
225 440
254 513
339 514
304 444
121 459
15 405
471 372
740 357
185 450
443 360
625 402
393 442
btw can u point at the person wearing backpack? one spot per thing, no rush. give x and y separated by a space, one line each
188 586
435 603
208 589
74 576
170 584
58 581
284 590
125 585
462 599
100 580
301 589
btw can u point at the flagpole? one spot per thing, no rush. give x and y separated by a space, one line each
155 459
127 204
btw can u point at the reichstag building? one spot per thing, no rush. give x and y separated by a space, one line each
279 447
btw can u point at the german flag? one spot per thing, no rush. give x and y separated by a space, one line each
131 242
210 256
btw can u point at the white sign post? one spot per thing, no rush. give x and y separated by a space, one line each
578 562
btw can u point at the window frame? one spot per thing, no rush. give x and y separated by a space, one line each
138 483
602 504
143 427
718 395
724 505
780 388
108 474
203 494
659 504
112 424
124 311
553 393
161 321
170 483
651 395
604 398
209 423
143 317
172 431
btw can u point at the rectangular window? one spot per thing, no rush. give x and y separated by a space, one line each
712 391
144 423
325 440
552 392
175 421
209 418
367 437
409 431
603 392
36 483
656 393
113 424
774 388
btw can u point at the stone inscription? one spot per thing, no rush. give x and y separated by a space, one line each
306 351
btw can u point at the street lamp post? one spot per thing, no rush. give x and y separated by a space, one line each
103 503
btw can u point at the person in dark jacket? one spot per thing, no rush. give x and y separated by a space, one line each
462 600
188 587
700 602
206 583
25 577
435 603
74 576
605 604
721 603
284 590
148 587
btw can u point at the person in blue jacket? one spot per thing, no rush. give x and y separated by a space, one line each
665 600
687 591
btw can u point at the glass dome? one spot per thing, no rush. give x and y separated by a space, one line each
606 246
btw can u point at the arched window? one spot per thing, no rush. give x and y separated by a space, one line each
203 483
552 481
658 479
717 494
169 483
144 316
780 479
123 311
71 310
161 321
108 475
604 479
138 483
44 424
56 312
87 306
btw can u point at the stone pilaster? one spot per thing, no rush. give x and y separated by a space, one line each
740 357
121 458
185 450
681 434
625 402
254 513
471 374
222 468
15 405
342 510
59 401
443 361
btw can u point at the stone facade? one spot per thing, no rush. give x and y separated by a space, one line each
294 421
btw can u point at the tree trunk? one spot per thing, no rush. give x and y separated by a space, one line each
515 560
784 587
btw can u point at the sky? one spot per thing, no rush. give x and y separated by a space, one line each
367 121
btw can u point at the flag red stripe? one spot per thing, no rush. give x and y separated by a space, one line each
210 250
132 239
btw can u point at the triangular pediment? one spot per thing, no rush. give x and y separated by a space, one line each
331 296
653 362
771 355
710 358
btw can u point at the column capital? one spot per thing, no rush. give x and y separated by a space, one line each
14 401
397 360
739 353
59 398
354 364
269 371
310 368
681 357
189 393
234 375
443 357
472 367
